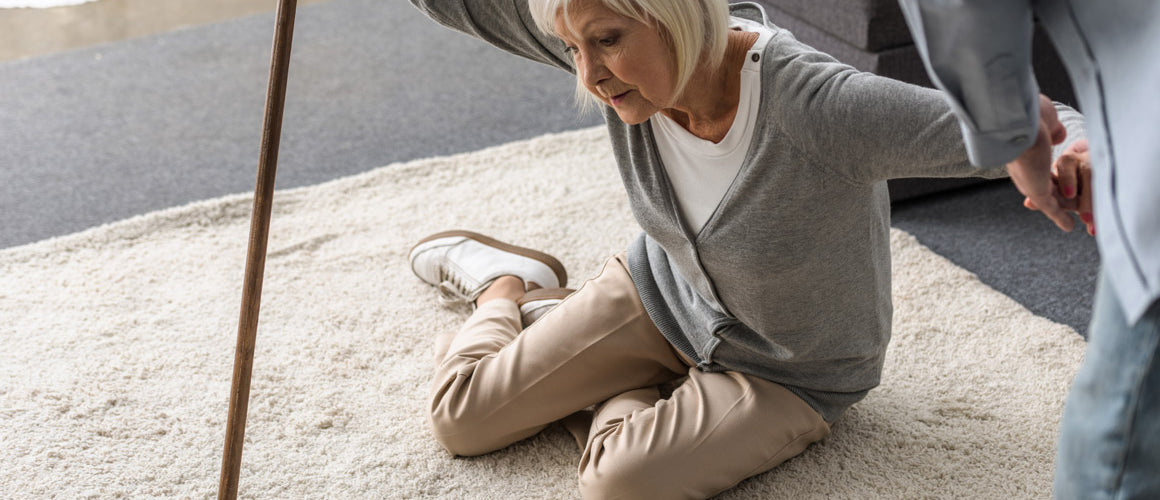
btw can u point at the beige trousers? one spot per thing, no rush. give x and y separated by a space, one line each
495 385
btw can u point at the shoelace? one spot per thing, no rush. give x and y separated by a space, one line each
452 291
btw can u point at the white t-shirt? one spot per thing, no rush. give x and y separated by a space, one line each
701 171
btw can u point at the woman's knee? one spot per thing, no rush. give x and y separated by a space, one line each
461 445
469 438
607 472
613 482
458 435
465 429
452 422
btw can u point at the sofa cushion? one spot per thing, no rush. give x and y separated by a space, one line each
904 63
870 25
900 63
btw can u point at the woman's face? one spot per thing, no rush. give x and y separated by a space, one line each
624 63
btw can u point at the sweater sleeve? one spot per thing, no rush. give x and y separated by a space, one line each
868 128
863 127
506 24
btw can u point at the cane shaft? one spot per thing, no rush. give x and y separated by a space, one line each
256 253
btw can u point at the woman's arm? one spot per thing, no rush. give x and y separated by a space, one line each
506 24
863 127
869 128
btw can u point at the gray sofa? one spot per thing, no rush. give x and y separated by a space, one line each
871 35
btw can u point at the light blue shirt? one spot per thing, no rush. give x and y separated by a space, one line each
979 53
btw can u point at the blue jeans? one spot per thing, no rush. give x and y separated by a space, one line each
1109 444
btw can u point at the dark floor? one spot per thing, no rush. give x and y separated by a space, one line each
105 131
986 230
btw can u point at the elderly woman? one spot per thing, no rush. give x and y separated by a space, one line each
759 291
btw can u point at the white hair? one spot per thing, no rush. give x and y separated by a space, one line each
696 30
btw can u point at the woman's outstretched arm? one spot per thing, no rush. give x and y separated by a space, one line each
506 24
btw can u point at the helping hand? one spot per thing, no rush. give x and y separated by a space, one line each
1032 171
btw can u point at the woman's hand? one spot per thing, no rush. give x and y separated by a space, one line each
1073 175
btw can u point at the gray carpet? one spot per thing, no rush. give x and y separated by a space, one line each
986 230
108 132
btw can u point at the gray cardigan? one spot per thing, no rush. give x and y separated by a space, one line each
789 279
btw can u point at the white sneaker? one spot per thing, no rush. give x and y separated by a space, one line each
538 302
462 264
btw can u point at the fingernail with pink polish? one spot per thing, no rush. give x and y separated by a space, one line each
1068 191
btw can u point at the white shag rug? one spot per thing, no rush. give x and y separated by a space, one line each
117 349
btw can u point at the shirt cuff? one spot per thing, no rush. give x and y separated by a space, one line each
996 149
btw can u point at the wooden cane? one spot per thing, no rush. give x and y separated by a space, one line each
256 255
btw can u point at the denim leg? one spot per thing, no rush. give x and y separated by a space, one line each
1109 445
